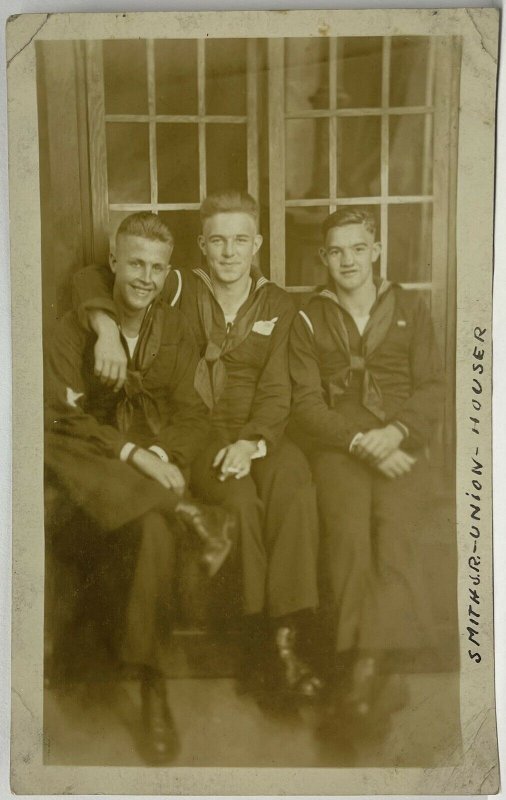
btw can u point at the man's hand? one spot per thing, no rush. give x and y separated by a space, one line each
396 464
110 357
168 475
377 444
235 459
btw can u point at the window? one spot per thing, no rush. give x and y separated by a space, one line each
361 110
175 119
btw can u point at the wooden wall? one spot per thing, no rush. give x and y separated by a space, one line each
66 235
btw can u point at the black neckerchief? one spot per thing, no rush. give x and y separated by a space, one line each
380 319
211 374
134 392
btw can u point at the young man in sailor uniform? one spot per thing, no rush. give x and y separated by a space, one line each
241 322
122 459
367 391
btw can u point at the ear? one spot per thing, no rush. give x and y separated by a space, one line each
376 250
257 242
202 243
323 256
112 262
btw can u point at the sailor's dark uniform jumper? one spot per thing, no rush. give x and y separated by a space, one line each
345 383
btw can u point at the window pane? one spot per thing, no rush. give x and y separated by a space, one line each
185 226
226 76
358 156
128 162
359 70
226 157
408 70
306 74
176 76
178 163
303 239
125 77
409 242
307 158
408 174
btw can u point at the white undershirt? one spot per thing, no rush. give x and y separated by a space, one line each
230 317
131 343
361 322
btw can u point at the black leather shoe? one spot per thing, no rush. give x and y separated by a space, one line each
161 741
373 697
215 528
296 677
359 700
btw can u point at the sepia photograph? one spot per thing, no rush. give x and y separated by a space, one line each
248 290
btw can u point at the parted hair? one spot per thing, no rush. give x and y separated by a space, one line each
227 202
350 215
146 225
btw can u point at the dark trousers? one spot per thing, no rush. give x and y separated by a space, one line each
276 506
119 593
372 528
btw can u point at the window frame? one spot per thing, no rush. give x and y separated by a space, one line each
440 67
98 119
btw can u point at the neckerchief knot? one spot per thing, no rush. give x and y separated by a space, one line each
381 317
135 395
211 374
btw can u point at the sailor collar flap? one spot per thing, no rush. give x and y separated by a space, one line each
258 280
382 287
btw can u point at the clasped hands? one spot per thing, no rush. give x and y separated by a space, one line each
380 447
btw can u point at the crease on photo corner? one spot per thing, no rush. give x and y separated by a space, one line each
483 32
490 782
12 19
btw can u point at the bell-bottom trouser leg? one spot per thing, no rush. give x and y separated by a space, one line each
121 584
276 507
150 595
372 529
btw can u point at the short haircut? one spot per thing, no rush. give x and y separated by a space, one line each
350 215
228 202
146 225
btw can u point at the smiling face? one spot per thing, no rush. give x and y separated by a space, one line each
349 254
140 267
229 241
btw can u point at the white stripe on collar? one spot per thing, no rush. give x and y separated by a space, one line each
179 287
261 281
205 277
382 288
307 320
